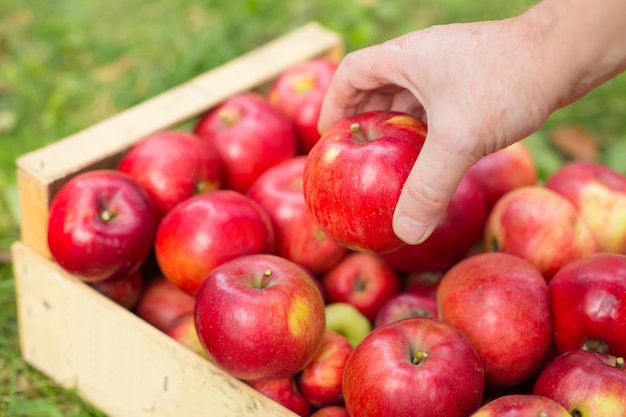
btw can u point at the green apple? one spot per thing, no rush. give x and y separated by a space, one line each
349 322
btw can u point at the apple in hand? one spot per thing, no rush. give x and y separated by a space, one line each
541 226
321 379
587 384
299 92
162 302
588 304
207 230
260 317
285 392
331 411
125 291
362 279
250 135
345 319
298 238
355 173
413 367
102 225
500 302
521 405
183 330
460 229
405 305
173 166
599 193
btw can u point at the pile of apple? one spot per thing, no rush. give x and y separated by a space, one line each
269 250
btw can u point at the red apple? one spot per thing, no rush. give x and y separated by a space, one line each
460 229
298 238
540 226
503 171
285 392
413 367
362 279
405 305
587 384
320 380
162 302
260 317
588 304
298 92
599 193
102 225
173 166
422 283
250 135
521 405
331 411
183 330
207 230
125 291
355 173
501 304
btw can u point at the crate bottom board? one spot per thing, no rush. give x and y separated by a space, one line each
114 359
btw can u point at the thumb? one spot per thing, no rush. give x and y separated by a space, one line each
428 189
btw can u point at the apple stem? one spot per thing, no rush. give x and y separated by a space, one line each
576 413
106 215
266 275
356 130
419 357
228 117
619 363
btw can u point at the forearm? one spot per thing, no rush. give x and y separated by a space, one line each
583 43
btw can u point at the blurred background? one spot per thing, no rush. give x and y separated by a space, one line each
67 64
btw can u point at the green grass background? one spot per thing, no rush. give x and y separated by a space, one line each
67 64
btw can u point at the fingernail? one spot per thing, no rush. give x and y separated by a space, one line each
410 231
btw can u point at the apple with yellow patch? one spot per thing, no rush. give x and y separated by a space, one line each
260 317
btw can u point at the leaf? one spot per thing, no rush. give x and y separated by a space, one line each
615 156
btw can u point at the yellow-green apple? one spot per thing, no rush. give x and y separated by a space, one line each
503 171
599 193
460 229
298 92
172 166
162 302
183 330
501 304
125 291
588 304
298 238
362 279
320 380
207 230
285 392
521 405
354 175
413 367
260 317
331 411
405 305
587 384
102 225
250 135
541 226
345 319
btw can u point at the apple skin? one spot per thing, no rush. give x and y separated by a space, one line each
354 175
422 283
298 238
405 305
207 230
599 193
183 330
447 381
102 225
345 319
250 135
540 226
299 92
503 171
500 302
173 166
362 279
125 291
521 405
162 302
285 392
321 379
588 304
460 229
587 384
331 411
260 317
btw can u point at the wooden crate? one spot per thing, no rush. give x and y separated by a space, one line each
81 339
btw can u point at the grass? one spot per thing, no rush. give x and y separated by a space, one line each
67 64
